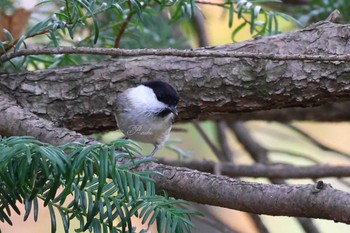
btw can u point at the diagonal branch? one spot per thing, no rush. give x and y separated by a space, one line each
315 142
217 152
124 26
224 142
259 154
16 120
228 157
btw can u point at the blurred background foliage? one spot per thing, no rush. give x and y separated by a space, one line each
317 10
176 24
123 24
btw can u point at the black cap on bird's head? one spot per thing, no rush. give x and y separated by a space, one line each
165 93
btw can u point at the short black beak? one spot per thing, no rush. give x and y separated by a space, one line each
173 109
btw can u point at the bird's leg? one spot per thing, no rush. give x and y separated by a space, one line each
150 156
153 152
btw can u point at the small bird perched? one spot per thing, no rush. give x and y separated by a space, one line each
145 113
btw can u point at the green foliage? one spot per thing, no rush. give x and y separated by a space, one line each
315 10
7 6
318 10
86 183
260 20
139 24
100 22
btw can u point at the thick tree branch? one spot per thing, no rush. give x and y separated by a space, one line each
16 120
80 97
311 201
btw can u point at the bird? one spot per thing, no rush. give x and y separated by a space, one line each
146 113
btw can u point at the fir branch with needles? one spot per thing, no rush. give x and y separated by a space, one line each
86 183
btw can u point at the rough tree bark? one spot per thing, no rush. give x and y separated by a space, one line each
51 104
313 201
80 97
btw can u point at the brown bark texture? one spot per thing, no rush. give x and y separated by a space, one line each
312 201
80 97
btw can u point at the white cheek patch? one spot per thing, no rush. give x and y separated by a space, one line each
144 99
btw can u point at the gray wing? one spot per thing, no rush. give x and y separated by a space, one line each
120 104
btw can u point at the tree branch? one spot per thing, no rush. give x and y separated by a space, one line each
117 52
271 171
217 152
302 201
259 154
80 97
124 26
317 143
222 129
224 142
15 120
311 201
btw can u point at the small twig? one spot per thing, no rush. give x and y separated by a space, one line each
307 225
257 152
173 52
13 43
259 224
199 26
270 171
294 154
211 145
124 26
221 127
316 142
211 219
